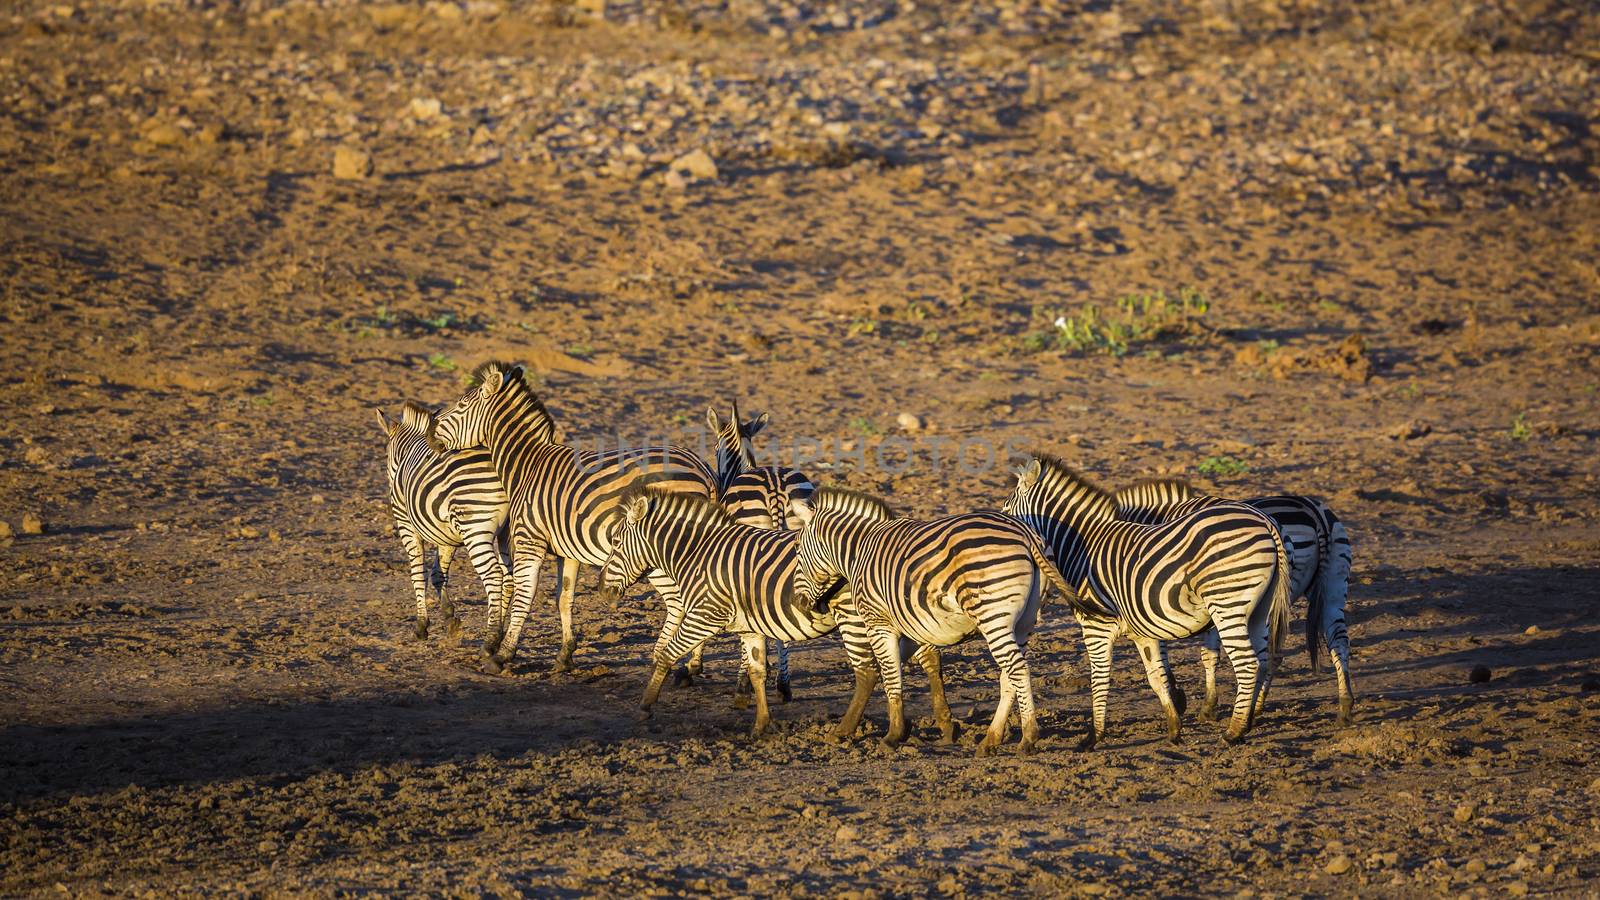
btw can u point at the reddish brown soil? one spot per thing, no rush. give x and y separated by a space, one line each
209 680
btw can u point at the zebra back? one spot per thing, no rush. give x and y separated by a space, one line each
762 496
734 451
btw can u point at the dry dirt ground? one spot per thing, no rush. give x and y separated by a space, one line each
209 679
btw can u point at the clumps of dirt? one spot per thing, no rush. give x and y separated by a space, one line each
1396 744
1348 360
80 610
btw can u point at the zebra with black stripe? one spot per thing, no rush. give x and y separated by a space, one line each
563 500
753 495
1223 565
1319 566
446 500
733 577
935 583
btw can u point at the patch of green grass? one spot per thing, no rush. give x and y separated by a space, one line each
441 362
1133 319
581 351
439 322
864 426
1519 428
930 336
862 326
1222 465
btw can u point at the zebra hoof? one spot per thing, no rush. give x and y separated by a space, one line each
1088 742
891 743
682 678
1027 747
454 629
421 629
986 748
1346 715
741 701
1233 737
947 733
643 714
1207 714
492 665
785 692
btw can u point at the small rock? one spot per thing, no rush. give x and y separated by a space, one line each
1338 865
1479 674
6 531
1517 888
32 524
1531 629
1465 812
249 531
36 456
165 135
846 834
267 847
318 498
1475 866
909 421
674 181
351 164
425 108
697 164
1594 787
1408 431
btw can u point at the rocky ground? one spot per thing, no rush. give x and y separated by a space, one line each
1350 249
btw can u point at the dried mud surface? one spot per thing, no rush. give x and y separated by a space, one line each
207 676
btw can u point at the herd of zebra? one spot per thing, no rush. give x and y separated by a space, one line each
760 552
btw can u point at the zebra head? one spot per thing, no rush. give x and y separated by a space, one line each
1058 504
628 560
734 451
465 423
831 520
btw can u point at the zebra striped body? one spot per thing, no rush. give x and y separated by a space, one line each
563 500
935 583
1319 564
1223 565
446 500
753 495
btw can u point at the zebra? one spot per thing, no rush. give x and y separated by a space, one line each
1223 565
1319 565
733 577
447 500
563 500
753 495
936 583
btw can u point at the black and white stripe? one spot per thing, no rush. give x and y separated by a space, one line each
1223 565
934 583
443 500
1319 565
563 500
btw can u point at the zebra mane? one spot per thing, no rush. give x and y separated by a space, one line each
1155 488
691 508
858 503
416 417
1052 466
523 379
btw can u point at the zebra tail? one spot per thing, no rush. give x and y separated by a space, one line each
1278 626
1317 598
1041 558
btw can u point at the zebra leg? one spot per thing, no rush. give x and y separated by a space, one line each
669 630
858 650
441 584
1210 645
527 557
485 556
755 662
866 680
569 638
1098 636
784 690
686 673
1000 632
886 650
1153 654
1247 655
416 558
1338 637
927 656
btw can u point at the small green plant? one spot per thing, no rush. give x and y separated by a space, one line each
930 337
1519 428
441 362
863 326
441 321
680 419
1410 390
581 351
864 426
1133 319
1221 466
385 317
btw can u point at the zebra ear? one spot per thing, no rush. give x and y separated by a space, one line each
384 423
634 508
756 424
711 419
493 380
801 509
1028 474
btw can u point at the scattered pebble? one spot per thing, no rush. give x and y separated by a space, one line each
696 164
6 531
1465 812
909 421
1338 865
32 524
351 164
